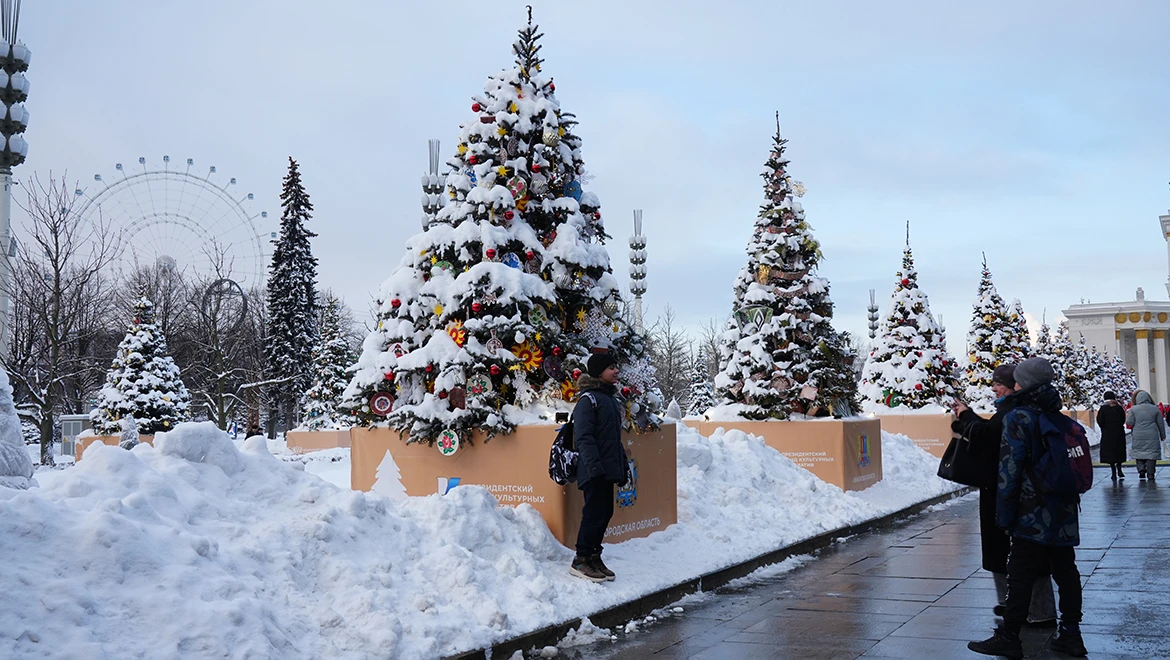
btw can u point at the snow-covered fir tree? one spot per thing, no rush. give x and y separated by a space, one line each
16 468
292 310
701 397
1045 347
987 344
780 354
498 303
1097 378
1120 379
143 381
129 436
908 364
1019 342
332 357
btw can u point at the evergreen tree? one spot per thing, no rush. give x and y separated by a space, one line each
143 381
1019 342
498 303
909 364
780 354
292 310
988 344
701 397
332 357
1065 364
1046 348
1120 379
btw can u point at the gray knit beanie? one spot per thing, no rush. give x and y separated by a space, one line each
1032 372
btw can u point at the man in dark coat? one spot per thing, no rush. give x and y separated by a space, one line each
601 462
985 436
1111 421
1045 527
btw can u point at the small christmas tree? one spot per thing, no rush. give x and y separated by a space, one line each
16 468
780 354
1019 342
987 344
909 364
388 479
331 359
1119 378
498 303
143 381
1066 365
129 437
701 397
292 291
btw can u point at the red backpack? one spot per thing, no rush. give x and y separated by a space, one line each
1062 465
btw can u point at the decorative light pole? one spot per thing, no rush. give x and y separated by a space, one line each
638 268
873 315
432 185
14 59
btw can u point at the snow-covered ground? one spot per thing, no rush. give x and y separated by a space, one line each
201 547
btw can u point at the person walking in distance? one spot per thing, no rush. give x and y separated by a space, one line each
1044 524
601 463
1111 422
1149 430
985 436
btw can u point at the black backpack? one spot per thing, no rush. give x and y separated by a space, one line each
562 456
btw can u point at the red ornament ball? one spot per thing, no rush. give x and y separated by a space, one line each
576 373
918 386
530 254
491 253
508 215
396 303
495 370
557 351
626 391
442 394
472 159
536 167
905 282
476 307
475 107
430 368
551 86
390 376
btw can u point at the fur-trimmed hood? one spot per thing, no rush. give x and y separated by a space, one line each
587 382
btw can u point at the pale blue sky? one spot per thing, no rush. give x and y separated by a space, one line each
1037 134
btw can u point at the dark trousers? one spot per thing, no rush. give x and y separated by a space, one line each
595 516
1030 560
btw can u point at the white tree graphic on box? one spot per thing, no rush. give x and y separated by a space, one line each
388 479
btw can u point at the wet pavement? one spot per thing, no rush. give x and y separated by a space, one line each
916 590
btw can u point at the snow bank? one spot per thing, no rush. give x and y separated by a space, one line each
16 470
195 548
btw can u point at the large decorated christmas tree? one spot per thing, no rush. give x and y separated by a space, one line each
1019 346
988 344
780 354
331 357
1119 378
909 365
143 381
497 305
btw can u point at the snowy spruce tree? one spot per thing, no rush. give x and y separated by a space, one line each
331 359
1019 341
780 354
292 311
909 365
498 303
143 381
701 397
987 344
1120 379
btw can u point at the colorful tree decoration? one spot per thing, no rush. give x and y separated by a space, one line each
780 354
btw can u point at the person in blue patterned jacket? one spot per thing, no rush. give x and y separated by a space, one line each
1045 527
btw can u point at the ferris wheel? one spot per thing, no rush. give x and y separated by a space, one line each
193 223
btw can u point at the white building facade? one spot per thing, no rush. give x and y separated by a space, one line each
1137 330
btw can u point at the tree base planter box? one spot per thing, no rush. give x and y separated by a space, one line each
931 432
299 442
844 452
514 468
114 440
1087 418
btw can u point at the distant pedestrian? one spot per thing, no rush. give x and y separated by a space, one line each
601 462
985 436
1111 422
1149 430
1045 527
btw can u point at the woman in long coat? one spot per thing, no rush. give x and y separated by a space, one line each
1149 430
1111 421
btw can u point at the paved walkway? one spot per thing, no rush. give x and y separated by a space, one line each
917 591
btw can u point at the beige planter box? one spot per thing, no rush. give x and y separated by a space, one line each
114 440
1087 418
515 469
931 432
844 452
299 442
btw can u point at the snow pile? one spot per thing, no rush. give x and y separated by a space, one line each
16 470
197 548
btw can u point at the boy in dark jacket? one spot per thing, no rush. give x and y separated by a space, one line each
1044 526
601 462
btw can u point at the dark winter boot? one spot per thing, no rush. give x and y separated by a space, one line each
583 567
1001 643
600 565
1068 641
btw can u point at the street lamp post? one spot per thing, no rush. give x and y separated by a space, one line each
638 268
14 60
432 185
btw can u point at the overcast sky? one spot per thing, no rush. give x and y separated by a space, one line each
1036 132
